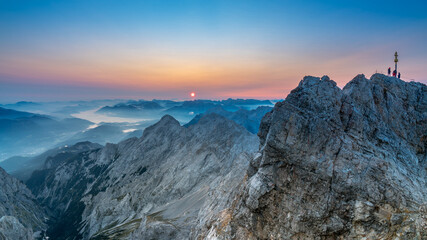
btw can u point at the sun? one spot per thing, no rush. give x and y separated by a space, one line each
193 94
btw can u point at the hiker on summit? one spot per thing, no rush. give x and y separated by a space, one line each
389 71
394 73
398 76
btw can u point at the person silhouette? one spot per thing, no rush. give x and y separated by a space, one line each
389 71
398 76
394 73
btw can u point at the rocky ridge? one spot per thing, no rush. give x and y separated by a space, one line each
335 164
150 187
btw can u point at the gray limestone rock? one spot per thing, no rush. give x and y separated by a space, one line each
12 229
20 214
336 164
153 187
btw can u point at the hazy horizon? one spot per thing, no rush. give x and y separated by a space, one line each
52 50
114 100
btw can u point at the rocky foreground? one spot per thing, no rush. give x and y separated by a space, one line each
329 163
20 214
336 164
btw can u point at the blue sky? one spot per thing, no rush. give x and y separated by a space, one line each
220 49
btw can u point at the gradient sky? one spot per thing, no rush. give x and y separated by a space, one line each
63 50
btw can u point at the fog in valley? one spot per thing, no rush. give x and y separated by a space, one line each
32 131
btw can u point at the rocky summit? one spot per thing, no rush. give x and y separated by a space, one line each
336 164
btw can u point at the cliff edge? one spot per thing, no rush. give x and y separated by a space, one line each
336 164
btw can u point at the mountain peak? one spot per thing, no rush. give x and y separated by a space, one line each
168 119
333 161
167 124
310 81
314 93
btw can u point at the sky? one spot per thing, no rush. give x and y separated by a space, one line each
166 49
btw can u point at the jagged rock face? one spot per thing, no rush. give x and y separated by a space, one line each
148 188
11 228
20 214
336 164
41 180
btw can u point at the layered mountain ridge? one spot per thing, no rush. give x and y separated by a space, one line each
151 187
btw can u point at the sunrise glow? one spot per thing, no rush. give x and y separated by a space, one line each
159 49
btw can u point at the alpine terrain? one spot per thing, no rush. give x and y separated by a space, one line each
336 164
328 163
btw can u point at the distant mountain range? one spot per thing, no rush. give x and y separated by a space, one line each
184 111
30 138
13 114
132 109
60 109
26 133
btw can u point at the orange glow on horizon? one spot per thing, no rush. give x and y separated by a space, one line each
216 76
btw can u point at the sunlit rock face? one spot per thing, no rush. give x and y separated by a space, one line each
336 164
151 187
20 214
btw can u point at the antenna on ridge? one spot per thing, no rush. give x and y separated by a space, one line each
395 61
